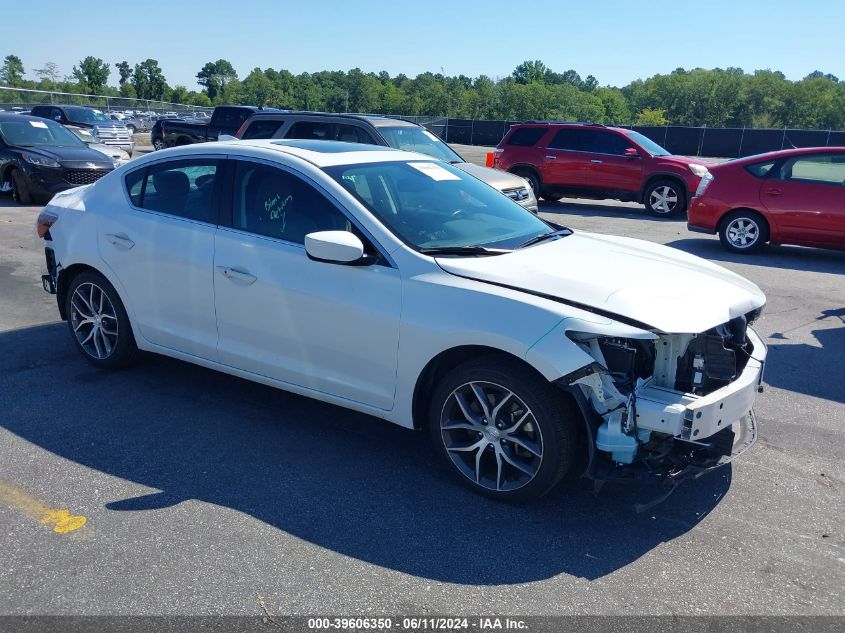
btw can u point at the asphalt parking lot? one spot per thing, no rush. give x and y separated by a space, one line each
206 494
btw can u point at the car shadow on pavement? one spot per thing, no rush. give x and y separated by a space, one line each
817 260
587 208
344 481
786 365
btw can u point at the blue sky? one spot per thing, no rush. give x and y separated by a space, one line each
617 41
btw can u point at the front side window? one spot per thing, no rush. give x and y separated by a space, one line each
826 169
433 205
85 115
272 202
573 140
183 188
316 130
611 143
353 134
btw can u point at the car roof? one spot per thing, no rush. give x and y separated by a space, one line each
11 116
573 124
375 120
782 153
319 153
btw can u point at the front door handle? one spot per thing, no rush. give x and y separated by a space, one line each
597 162
120 240
552 157
238 276
773 192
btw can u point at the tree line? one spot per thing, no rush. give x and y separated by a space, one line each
719 97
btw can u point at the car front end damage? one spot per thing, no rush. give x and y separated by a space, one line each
672 406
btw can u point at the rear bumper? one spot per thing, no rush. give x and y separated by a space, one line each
700 229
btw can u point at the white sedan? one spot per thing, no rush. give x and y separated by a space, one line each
400 286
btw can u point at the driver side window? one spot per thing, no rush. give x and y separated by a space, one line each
272 202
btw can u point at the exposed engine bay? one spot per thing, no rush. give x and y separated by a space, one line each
671 404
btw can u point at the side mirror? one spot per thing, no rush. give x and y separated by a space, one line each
631 152
334 247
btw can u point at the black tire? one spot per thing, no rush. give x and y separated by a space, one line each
20 188
552 197
117 351
743 231
158 144
665 197
532 178
549 423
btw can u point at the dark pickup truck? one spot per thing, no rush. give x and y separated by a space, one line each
224 120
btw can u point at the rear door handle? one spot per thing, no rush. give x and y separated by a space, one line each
238 276
597 162
773 192
120 240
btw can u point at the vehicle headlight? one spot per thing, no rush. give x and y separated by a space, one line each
706 179
41 161
116 162
698 170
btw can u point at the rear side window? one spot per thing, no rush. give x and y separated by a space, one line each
317 130
526 136
760 169
262 129
183 188
828 169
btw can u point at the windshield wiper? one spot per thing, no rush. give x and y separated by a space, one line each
546 236
462 250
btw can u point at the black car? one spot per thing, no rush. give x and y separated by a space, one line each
39 158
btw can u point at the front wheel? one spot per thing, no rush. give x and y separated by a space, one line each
20 188
502 429
552 197
743 231
665 198
98 322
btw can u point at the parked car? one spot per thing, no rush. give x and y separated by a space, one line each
115 153
39 158
225 120
377 130
137 124
589 160
394 284
794 196
104 129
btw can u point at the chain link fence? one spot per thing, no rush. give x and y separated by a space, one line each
22 99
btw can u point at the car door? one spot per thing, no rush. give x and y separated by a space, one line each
563 159
327 327
606 167
161 248
806 196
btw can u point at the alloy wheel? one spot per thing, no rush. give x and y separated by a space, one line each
743 232
491 436
663 199
94 320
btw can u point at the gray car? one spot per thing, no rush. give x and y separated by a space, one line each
384 131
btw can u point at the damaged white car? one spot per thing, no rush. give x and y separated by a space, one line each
400 286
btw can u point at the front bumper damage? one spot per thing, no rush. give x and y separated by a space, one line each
659 433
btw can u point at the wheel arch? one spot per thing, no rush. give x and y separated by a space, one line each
513 169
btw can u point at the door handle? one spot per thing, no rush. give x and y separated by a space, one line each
238 276
597 162
120 240
772 192
552 157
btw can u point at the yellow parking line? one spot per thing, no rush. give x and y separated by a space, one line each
61 520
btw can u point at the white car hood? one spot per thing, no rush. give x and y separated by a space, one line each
659 286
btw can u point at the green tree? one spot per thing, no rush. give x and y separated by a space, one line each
92 74
215 75
125 72
11 72
50 73
649 116
529 71
179 94
148 80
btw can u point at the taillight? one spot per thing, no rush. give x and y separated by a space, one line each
45 220
242 129
493 157
704 183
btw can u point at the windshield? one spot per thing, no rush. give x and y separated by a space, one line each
83 134
435 205
37 133
84 115
418 139
647 144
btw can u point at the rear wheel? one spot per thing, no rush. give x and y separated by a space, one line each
98 322
665 198
743 231
158 144
20 188
502 429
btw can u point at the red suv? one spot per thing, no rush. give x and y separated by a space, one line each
794 196
588 160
